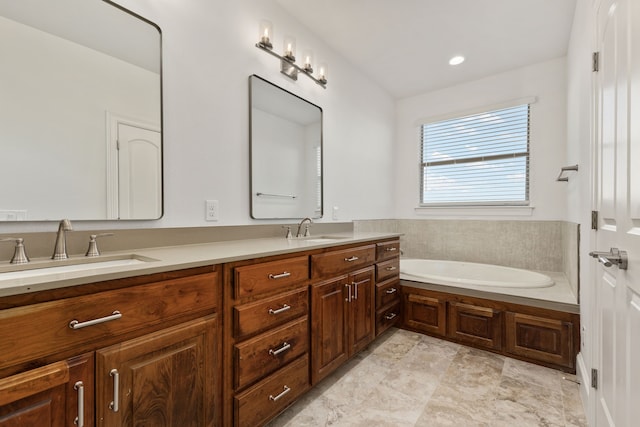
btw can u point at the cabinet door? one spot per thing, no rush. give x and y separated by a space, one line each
540 338
166 378
329 342
475 325
424 312
35 398
362 323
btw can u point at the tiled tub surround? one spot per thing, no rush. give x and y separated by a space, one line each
548 246
406 379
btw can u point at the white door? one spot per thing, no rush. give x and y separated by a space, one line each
617 199
139 173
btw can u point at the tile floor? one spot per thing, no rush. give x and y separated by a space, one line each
409 379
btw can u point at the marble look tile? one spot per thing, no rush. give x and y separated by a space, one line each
573 410
455 406
534 374
407 379
524 404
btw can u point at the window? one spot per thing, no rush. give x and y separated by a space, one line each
481 159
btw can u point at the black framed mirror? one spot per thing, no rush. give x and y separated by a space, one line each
286 153
80 112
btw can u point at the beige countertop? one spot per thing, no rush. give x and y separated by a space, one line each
158 260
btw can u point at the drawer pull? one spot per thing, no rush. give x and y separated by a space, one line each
285 346
284 308
390 316
74 324
351 259
393 249
279 276
114 405
79 387
391 291
355 290
391 268
275 398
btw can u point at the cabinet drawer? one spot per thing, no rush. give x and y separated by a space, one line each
261 402
267 352
33 331
387 292
336 262
388 269
387 250
259 316
256 279
387 317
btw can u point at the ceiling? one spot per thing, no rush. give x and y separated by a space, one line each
405 45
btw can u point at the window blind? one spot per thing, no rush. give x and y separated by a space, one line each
481 159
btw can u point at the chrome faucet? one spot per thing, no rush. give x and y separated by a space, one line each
307 233
60 251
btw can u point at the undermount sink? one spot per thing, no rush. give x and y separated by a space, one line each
324 239
44 268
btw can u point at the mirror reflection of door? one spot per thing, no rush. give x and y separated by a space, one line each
135 170
139 172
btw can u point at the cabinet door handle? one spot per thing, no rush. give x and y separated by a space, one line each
74 324
391 268
285 346
355 290
391 291
351 259
115 405
348 298
280 276
275 398
390 316
391 249
79 387
284 308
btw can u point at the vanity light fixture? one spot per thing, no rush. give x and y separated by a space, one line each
288 65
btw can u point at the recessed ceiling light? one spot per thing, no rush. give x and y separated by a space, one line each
456 60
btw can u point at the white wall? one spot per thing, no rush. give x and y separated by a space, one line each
546 81
208 54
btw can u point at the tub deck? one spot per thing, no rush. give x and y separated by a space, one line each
557 297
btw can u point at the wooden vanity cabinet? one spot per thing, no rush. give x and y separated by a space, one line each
53 395
342 307
153 355
387 285
266 344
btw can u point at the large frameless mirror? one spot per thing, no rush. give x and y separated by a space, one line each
80 112
286 153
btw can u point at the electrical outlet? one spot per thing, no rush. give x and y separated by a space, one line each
211 210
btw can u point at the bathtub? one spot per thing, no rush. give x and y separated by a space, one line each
546 290
471 275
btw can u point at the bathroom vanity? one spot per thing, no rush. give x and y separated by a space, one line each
226 333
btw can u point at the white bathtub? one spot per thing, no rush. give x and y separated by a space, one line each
473 275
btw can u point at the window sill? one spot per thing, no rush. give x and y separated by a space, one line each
473 211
